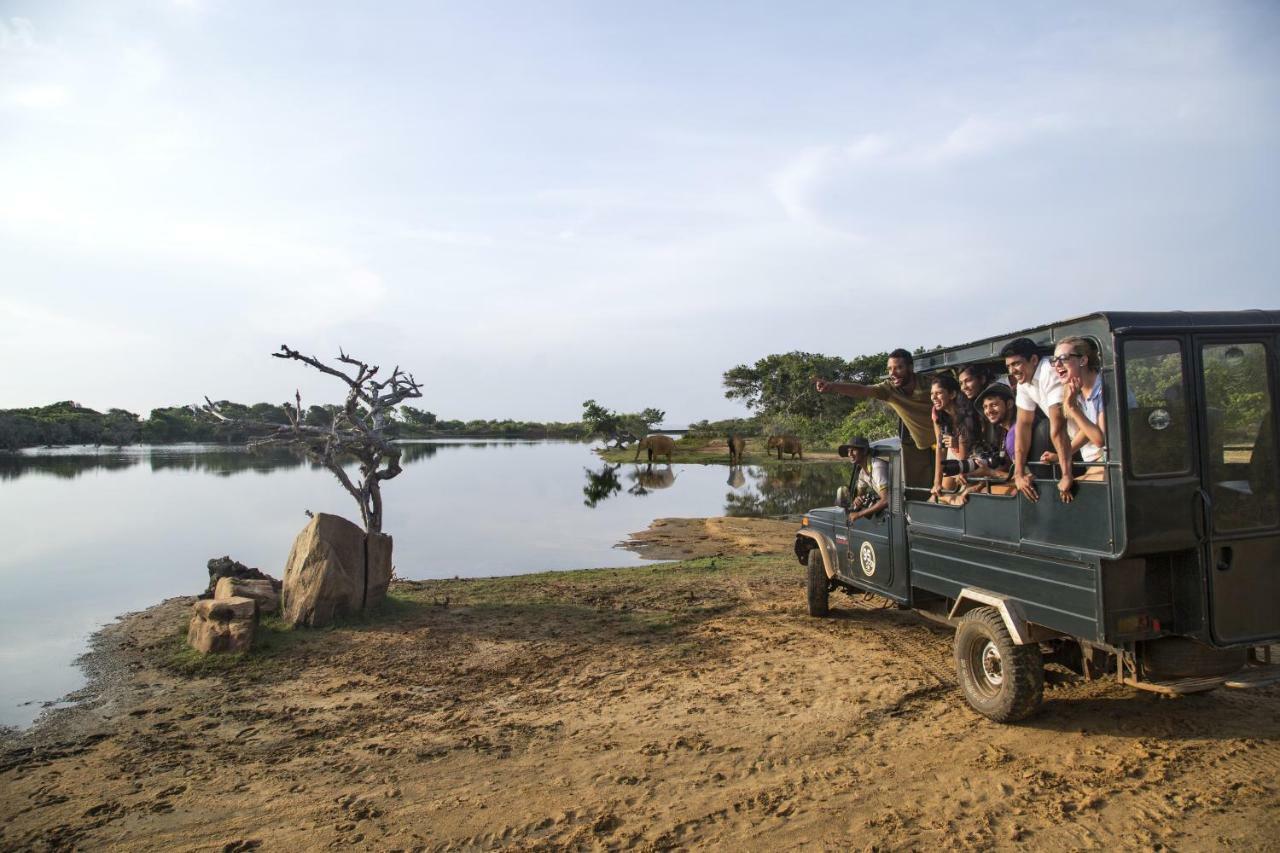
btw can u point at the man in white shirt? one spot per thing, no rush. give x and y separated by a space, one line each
1039 387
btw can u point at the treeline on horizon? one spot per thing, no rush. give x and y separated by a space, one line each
68 422
777 389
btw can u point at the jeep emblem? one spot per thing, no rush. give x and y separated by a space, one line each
867 559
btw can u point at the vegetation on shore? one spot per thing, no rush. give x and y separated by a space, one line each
68 422
777 389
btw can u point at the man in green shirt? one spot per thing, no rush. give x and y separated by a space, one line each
903 393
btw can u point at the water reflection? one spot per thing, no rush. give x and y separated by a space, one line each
648 477
72 462
601 485
223 460
782 490
758 490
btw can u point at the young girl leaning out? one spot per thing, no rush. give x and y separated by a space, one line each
953 432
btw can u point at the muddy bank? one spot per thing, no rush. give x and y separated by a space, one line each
685 705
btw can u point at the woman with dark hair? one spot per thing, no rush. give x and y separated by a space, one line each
954 429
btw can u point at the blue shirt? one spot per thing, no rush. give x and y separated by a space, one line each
1091 405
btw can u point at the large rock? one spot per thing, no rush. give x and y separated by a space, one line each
223 625
264 592
327 574
378 574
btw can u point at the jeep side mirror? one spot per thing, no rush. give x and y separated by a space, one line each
842 497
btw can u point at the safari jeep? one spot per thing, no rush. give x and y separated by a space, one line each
1164 573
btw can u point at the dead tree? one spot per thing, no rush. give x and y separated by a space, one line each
357 431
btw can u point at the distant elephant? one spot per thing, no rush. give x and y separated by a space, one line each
785 444
737 446
657 445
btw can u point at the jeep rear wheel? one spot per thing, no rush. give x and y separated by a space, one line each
819 587
1001 680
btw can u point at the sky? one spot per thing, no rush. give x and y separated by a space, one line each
527 205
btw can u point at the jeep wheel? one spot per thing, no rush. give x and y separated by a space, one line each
1001 680
819 587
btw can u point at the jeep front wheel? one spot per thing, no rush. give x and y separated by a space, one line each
1001 680
819 587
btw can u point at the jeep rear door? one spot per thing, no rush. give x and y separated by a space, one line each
1236 377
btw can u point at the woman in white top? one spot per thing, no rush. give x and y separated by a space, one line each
1078 366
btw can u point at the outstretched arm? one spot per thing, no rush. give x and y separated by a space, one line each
845 389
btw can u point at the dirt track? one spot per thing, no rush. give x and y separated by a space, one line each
695 706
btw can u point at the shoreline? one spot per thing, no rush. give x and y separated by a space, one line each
681 704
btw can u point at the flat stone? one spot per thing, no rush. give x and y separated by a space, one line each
262 591
226 609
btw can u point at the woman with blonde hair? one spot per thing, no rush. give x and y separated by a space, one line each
1078 365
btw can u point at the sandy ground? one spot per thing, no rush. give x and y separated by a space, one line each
694 706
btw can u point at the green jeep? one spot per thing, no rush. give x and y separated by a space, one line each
1163 572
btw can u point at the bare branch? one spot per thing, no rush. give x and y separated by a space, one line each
355 432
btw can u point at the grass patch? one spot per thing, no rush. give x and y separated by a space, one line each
637 603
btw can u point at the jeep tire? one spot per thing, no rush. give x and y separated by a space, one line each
1000 679
819 587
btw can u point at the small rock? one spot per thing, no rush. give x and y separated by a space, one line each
223 625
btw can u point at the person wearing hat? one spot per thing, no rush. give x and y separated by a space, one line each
996 403
871 479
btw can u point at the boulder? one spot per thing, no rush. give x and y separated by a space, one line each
378 575
325 575
264 592
225 567
223 625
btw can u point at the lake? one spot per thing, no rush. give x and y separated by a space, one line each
96 533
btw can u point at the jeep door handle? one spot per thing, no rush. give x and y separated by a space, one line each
1201 506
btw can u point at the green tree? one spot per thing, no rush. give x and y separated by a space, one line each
784 384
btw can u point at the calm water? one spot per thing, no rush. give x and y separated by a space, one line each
94 534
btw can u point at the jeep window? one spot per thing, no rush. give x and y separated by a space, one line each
1241 461
1156 408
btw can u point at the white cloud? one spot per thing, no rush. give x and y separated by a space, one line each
17 34
30 329
39 97
975 139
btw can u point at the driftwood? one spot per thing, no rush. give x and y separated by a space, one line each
357 431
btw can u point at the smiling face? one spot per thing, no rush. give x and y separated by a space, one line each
1021 369
857 455
1067 363
941 397
971 383
900 372
995 408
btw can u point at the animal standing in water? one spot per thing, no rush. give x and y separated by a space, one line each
657 445
785 444
737 446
